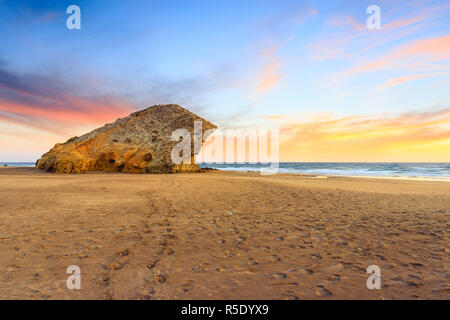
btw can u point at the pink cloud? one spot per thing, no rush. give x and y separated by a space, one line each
346 21
399 80
269 77
414 54
84 112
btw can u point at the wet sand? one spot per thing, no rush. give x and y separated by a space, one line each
221 235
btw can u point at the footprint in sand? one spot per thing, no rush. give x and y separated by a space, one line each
288 296
321 291
279 275
284 284
161 278
334 268
380 257
275 258
125 253
252 262
151 290
189 285
163 243
416 264
169 251
334 278
357 268
103 281
229 254
114 266
147 293
413 284
152 264
305 271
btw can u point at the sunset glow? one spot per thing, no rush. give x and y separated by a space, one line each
336 90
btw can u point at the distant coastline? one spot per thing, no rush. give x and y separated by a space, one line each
424 171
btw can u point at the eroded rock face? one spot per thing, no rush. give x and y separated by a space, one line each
139 143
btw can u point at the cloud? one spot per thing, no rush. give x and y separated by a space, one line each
428 13
38 110
344 32
272 62
421 136
346 21
281 25
269 77
399 80
418 54
424 13
49 103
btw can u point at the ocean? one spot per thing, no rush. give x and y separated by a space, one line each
18 164
363 169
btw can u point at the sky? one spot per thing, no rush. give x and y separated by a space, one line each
335 89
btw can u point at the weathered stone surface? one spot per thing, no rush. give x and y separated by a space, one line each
139 143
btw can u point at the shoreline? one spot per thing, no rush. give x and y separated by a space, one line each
303 175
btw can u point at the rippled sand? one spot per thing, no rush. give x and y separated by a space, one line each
221 236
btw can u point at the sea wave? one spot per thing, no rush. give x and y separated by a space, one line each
410 170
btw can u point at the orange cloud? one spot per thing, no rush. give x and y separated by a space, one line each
424 14
272 62
352 23
409 137
349 32
275 117
409 19
269 78
47 104
400 23
61 120
29 130
399 80
407 56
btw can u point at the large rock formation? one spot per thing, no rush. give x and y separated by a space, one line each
139 143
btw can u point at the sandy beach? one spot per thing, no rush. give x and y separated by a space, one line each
221 235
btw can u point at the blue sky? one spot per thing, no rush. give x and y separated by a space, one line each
286 64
